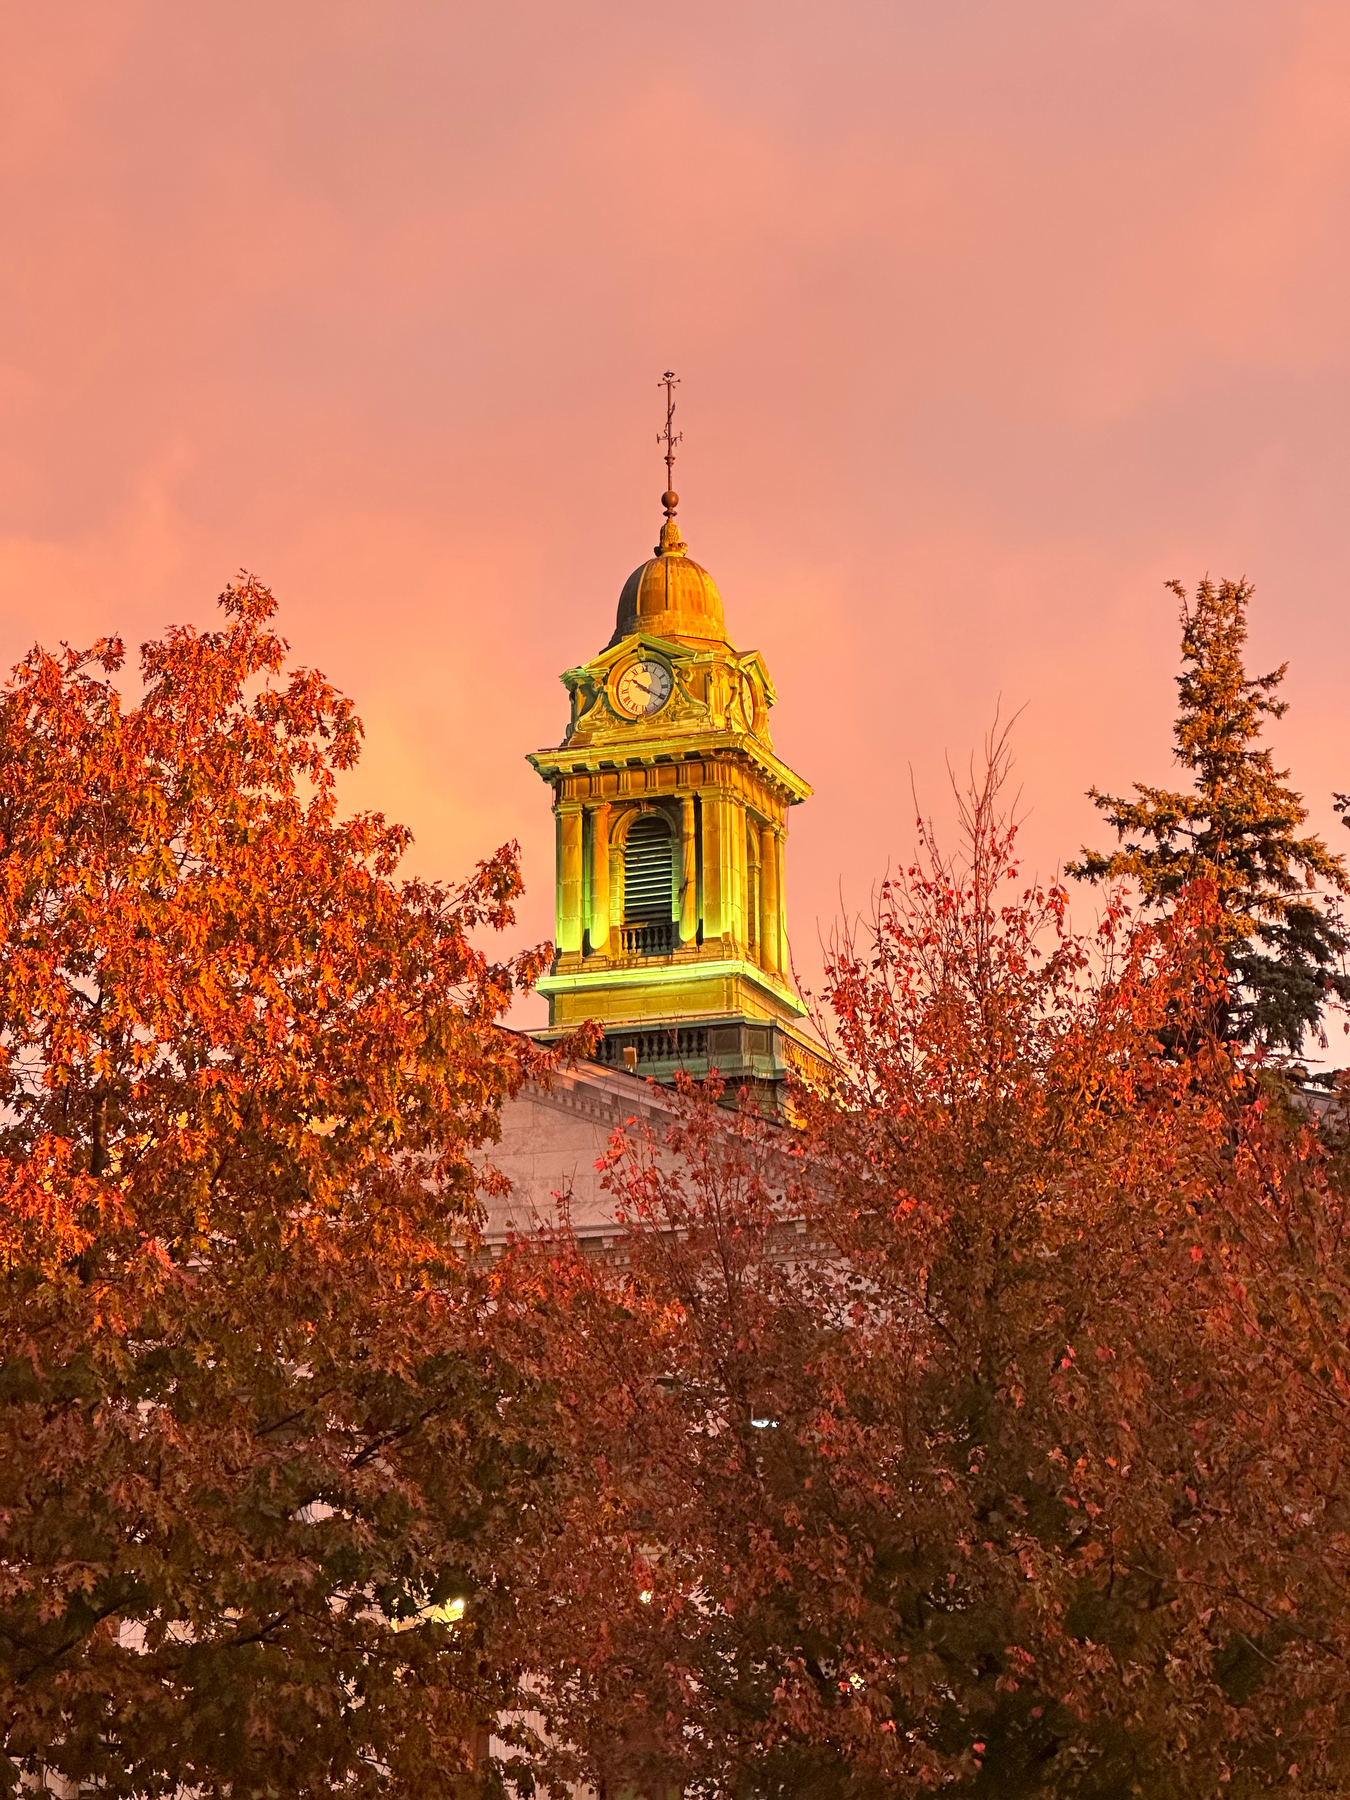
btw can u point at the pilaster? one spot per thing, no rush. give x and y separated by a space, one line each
569 877
600 890
688 872
769 945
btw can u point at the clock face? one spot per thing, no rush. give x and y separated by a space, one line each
643 688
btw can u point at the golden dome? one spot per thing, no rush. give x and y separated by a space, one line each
671 596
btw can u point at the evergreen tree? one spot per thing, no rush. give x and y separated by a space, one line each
1238 830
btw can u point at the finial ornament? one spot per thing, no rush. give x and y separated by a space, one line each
671 543
670 499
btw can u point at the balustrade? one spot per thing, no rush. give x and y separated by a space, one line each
652 939
675 1045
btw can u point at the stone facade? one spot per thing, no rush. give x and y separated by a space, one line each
553 1134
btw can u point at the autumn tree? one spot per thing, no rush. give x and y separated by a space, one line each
1237 829
672 1650
990 1433
253 1457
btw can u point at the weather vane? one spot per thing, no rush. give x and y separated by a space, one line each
670 437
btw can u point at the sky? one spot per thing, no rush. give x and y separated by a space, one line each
990 317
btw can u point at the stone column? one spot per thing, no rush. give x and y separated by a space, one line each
769 950
688 872
600 878
569 877
723 869
715 908
734 831
780 902
754 891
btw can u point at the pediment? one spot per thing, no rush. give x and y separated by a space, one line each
634 644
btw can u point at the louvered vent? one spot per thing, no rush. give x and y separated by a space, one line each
647 880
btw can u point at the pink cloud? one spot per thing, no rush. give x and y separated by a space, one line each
990 318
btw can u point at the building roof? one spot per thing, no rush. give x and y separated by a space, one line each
671 596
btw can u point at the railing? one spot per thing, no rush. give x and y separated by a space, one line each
659 939
676 1045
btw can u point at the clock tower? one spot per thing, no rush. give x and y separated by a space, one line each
672 812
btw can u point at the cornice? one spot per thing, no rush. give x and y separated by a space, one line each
616 753
590 1091
645 975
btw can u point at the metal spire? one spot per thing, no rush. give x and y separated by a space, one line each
670 499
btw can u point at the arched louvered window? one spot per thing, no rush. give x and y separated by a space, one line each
648 885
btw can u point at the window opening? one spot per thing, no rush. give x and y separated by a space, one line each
648 886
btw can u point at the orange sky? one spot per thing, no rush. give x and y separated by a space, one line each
991 315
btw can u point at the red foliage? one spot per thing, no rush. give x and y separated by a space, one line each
248 1419
989 1433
